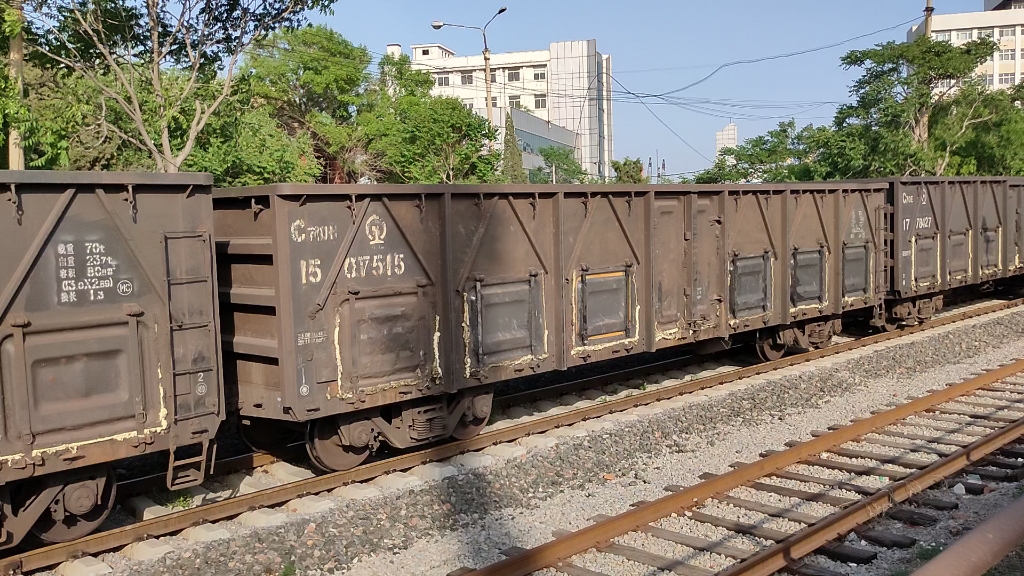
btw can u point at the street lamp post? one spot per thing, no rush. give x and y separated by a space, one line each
437 25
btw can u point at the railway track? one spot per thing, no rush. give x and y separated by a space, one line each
112 539
914 446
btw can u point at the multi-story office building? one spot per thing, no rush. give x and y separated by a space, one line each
1002 21
729 137
567 85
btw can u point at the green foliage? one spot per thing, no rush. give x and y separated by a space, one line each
161 70
250 148
781 155
629 171
289 569
918 110
512 157
417 138
563 160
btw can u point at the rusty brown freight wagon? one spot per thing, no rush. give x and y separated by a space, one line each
385 314
950 233
108 340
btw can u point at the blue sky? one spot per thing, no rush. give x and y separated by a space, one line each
644 37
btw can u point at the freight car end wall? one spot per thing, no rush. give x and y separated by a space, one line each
341 299
108 339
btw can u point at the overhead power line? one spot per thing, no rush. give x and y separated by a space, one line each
663 123
782 56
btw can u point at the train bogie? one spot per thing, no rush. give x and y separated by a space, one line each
109 342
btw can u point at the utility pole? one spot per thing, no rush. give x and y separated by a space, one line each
487 81
437 25
15 154
928 11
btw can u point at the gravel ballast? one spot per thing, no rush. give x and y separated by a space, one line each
466 520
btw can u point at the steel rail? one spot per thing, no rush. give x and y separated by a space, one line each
811 538
175 522
981 548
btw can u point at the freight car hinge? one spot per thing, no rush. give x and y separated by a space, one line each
422 205
256 209
352 207
586 204
15 200
536 202
129 197
629 202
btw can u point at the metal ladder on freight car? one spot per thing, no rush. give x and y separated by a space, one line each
190 471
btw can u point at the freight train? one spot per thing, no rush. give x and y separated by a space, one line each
139 312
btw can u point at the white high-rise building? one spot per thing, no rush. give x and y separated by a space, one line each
568 85
729 137
1001 20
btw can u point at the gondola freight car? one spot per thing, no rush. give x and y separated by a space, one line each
109 342
372 315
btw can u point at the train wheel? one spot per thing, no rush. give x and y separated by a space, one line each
263 436
327 450
768 347
475 419
78 509
890 325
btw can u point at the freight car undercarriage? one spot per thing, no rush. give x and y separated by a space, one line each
343 442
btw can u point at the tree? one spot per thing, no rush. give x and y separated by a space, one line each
157 62
563 161
418 138
314 79
629 171
512 157
784 154
915 104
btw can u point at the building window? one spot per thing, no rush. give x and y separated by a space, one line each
494 77
515 102
467 79
494 101
514 75
988 79
1007 55
945 84
540 73
443 80
1017 5
965 35
1007 79
540 101
987 33
425 52
468 104
1007 32
942 36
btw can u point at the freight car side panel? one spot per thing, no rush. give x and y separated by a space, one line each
384 319
949 233
503 268
1015 226
918 249
333 298
989 217
707 260
671 232
862 219
108 344
756 274
602 239
809 249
